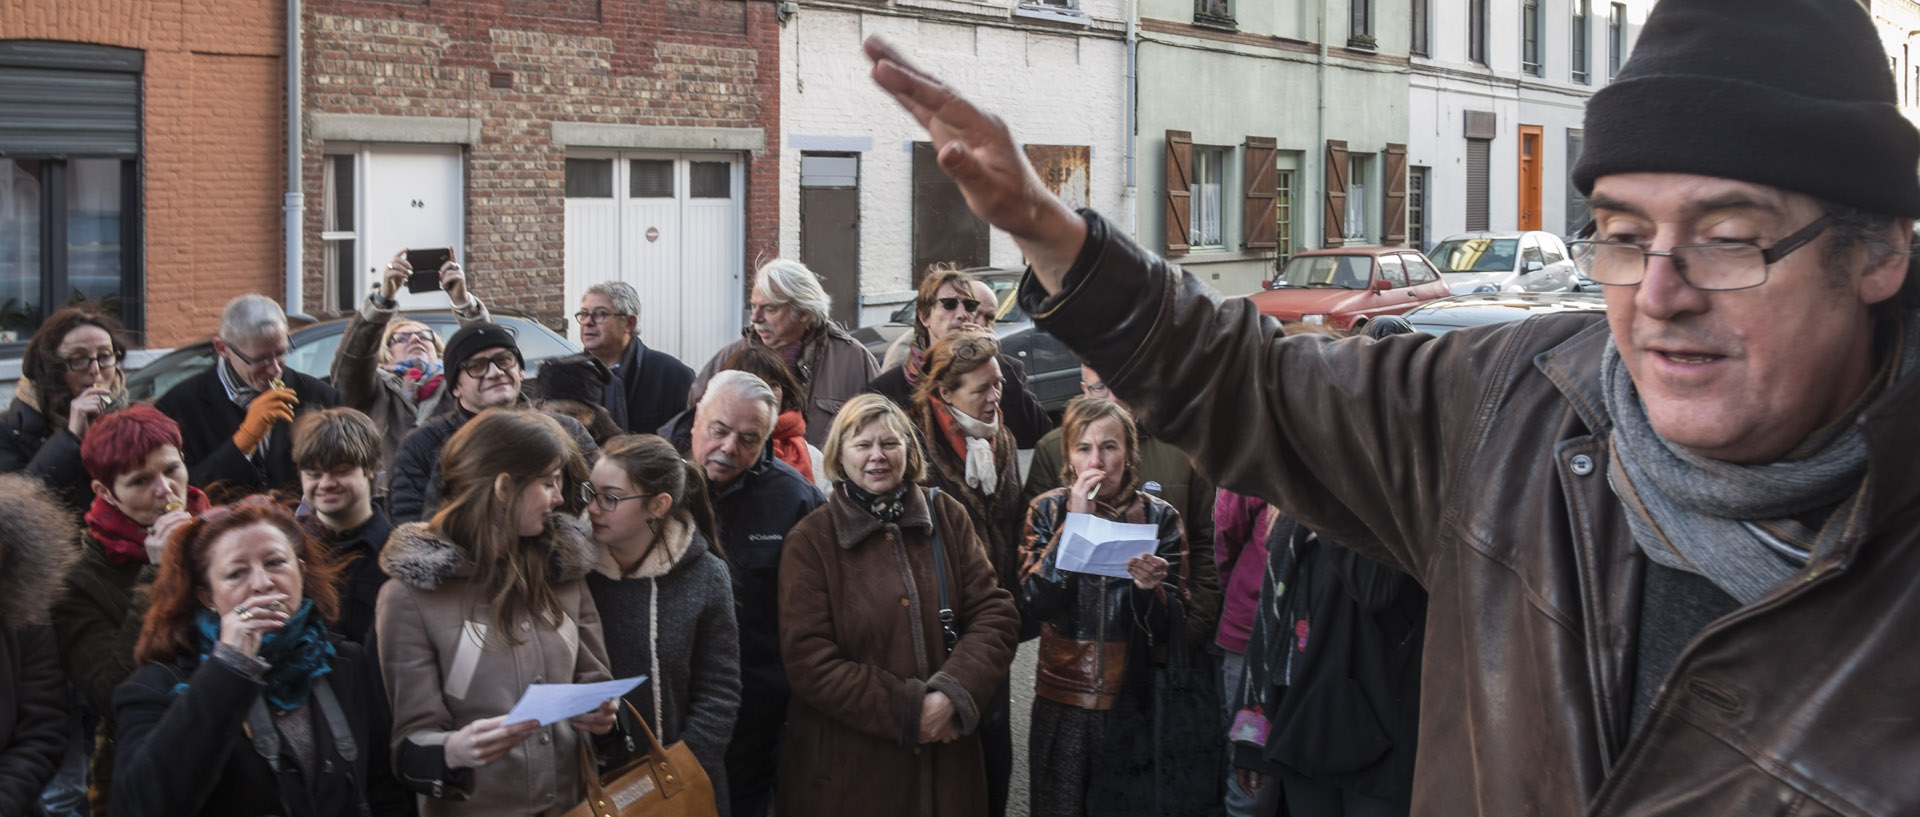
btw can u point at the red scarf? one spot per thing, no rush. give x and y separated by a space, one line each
790 443
124 540
956 439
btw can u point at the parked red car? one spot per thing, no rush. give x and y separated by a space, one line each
1346 287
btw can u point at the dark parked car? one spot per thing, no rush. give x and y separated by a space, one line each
1344 288
314 345
1480 309
1053 373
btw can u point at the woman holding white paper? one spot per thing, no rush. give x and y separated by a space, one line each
1094 630
666 598
487 598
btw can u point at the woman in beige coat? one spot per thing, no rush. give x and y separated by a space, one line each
485 599
886 700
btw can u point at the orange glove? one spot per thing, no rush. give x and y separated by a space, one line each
270 407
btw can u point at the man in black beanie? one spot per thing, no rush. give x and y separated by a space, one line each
1671 553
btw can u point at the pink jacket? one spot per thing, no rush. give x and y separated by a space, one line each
1240 525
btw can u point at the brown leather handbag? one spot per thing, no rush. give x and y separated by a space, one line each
665 782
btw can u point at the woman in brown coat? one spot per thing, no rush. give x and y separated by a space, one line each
486 599
886 699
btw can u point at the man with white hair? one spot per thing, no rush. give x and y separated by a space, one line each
234 416
648 384
756 500
791 316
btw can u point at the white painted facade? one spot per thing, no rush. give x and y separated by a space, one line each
1447 84
1899 25
1057 78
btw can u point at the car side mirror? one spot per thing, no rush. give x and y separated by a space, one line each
1382 285
1535 266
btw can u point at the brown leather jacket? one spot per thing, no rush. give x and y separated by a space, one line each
1476 462
1088 622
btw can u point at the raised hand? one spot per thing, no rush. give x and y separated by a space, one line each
977 149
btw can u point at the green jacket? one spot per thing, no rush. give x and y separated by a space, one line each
1183 488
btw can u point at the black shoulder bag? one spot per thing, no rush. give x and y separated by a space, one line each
940 574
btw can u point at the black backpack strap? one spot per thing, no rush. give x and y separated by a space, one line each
940 573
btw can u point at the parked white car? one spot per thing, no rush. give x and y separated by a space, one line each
1531 261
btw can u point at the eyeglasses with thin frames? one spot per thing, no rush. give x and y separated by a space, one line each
279 357
604 500
1709 267
397 338
585 318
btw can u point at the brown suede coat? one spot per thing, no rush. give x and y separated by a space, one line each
860 634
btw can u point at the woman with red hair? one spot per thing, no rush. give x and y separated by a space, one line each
244 704
138 475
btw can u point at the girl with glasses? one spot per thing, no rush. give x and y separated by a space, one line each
665 598
70 376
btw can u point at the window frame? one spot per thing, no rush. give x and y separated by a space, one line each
1581 57
1420 43
1417 178
1477 31
1220 156
1616 38
1387 273
1360 24
1364 198
1284 190
1533 47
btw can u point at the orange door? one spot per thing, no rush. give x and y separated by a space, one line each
1530 136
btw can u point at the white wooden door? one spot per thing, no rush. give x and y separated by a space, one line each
672 230
412 199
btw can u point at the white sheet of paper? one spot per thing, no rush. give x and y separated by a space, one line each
552 703
1089 544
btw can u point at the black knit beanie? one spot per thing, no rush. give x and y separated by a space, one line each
1793 94
474 339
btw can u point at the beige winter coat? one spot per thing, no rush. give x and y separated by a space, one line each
439 679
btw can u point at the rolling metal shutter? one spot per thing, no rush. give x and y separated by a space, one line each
68 100
1479 152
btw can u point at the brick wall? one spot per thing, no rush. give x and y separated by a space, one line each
672 63
213 118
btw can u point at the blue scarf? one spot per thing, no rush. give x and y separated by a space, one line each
296 654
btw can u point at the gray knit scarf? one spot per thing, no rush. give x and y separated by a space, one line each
1736 524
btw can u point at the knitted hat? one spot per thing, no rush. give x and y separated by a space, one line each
474 339
574 377
1792 94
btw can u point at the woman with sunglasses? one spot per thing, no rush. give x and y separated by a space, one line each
388 366
485 599
244 703
70 376
665 597
948 301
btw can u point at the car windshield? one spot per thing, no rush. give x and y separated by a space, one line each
1329 271
1475 254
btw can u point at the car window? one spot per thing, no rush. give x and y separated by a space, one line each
536 343
1419 270
1530 251
1552 250
1391 270
1006 292
1331 271
1475 254
313 355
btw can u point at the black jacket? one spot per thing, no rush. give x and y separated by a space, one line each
207 421
1334 661
651 387
363 574
49 452
416 471
1019 409
188 753
37 545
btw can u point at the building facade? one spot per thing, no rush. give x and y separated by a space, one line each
863 202
551 145
1899 25
142 162
1268 129
1497 109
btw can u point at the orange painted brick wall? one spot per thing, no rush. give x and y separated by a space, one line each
213 156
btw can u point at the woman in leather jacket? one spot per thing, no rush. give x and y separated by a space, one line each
1090 623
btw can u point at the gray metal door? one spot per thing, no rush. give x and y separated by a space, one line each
830 228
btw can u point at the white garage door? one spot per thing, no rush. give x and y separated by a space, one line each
669 224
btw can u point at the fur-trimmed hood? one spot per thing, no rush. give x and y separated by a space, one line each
39 540
421 555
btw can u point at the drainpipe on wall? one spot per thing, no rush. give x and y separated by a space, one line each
1320 72
295 201
1130 194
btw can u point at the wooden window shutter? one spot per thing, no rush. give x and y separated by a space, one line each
1263 187
1179 192
1395 201
1334 223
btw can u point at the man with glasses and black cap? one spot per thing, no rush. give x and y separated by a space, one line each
234 416
1671 551
484 370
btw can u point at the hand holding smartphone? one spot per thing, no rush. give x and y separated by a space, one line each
426 269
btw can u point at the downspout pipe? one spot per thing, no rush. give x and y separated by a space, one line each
1320 78
294 204
1130 194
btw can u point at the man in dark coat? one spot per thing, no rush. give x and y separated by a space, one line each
1670 549
649 386
756 500
338 452
234 416
484 370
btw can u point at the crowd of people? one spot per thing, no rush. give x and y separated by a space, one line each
1658 561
